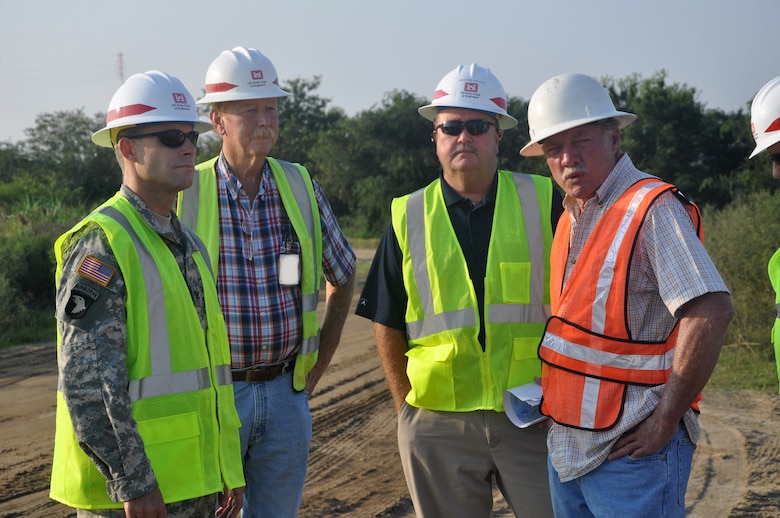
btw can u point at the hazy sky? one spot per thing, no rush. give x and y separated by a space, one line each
64 54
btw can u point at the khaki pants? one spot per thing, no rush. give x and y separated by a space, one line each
450 459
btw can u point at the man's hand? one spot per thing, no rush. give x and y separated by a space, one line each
645 439
230 503
150 505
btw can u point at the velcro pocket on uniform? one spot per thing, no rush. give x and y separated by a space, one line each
516 282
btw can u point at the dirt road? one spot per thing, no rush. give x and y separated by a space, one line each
354 469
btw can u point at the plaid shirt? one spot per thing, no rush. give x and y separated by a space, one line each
263 318
670 268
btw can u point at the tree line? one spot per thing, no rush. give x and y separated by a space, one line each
56 174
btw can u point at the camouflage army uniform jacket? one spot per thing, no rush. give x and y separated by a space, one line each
93 378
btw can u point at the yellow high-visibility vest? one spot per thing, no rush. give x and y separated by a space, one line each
179 379
774 277
447 367
198 208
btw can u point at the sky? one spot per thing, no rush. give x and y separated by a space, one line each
60 55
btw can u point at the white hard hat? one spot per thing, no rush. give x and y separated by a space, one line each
567 101
765 116
472 87
148 98
241 74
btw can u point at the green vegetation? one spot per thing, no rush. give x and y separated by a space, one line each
745 367
56 175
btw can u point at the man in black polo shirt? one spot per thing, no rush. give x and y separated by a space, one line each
459 307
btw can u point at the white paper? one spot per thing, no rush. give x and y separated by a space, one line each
521 404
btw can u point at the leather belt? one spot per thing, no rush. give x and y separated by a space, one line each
262 374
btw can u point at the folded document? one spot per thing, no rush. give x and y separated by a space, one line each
521 404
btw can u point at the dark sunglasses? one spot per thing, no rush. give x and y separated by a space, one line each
775 158
474 127
172 138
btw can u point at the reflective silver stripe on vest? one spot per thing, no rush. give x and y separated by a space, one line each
162 380
190 200
517 313
777 310
607 272
634 362
432 323
590 398
300 192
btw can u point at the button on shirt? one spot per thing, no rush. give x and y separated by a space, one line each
263 318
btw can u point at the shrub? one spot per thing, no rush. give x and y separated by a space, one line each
740 239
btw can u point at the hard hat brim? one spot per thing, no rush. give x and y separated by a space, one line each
534 148
219 97
102 137
429 112
765 144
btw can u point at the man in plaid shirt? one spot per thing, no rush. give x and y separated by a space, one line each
272 238
639 315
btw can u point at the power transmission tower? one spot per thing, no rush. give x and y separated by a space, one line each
120 63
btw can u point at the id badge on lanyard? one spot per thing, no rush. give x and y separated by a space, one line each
290 263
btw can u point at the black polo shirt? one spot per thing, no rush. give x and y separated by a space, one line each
384 299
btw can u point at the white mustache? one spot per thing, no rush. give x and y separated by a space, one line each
263 132
574 170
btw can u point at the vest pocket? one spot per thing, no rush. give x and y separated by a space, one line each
516 282
525 362
172 444
430 372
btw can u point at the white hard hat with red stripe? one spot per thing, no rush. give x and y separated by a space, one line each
567 101
241 74
472 87
148 98
765 116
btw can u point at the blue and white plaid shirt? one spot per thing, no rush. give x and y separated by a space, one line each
263 318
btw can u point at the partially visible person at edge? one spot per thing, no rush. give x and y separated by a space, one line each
272 237
639 314
146 422
765 125
459 292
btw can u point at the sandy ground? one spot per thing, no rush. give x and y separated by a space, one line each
354 468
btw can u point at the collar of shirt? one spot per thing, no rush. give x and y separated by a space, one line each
622 176
452 198
173 233
233 184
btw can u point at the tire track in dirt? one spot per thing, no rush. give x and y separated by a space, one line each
735 472
720 469
354 421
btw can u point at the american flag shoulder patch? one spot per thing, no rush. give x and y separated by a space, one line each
96 270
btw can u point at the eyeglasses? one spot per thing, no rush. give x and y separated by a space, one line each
171 138
775 158
474 127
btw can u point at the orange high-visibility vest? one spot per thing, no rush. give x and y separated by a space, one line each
588 352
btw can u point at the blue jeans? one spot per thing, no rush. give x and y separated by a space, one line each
652 486
275 436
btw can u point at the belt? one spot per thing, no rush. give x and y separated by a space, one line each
262 374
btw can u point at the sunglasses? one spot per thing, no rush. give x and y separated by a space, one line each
474 127
775 158
171 138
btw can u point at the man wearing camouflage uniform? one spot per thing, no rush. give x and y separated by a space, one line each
146 420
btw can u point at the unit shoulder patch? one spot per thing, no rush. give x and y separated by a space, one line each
81 297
